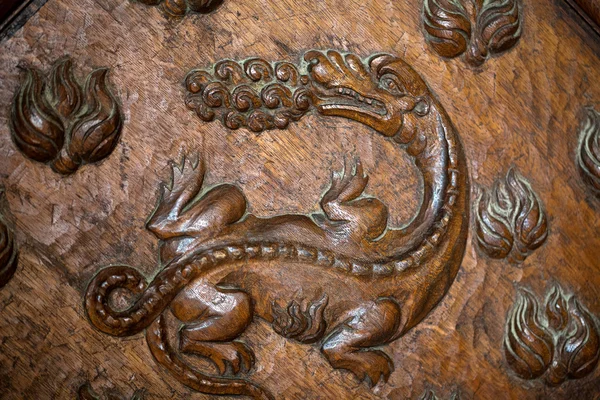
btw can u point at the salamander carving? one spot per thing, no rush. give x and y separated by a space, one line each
224 266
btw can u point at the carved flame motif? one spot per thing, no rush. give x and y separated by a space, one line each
510 221
342 277
588 150
493 27
562 343
179 8
56 121
8 251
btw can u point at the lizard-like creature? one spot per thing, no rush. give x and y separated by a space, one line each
341 278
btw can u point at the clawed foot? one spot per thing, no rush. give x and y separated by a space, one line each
370 366
227 356
346 208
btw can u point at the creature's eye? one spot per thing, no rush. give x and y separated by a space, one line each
392 84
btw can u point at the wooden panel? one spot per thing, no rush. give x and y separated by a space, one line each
357 225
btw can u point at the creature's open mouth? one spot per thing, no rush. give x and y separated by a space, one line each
344 98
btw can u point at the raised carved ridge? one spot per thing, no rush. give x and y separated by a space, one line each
588 150
559 343
57 121
9 254
510 221
389 278
179 8
475 28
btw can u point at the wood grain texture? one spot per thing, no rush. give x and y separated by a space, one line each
521 109
589 10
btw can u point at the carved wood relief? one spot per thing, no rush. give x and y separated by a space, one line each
386 279
476 28
510 220
179 8
8 250
321 257
59 122
557 343
588 150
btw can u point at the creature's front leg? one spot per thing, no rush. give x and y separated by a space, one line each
350 346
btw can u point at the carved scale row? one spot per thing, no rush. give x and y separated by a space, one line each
58 121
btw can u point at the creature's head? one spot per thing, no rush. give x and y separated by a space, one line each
380 96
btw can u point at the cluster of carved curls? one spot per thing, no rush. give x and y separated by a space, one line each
56 121
179 8
254 94
476 28
558 344
510 221
588 151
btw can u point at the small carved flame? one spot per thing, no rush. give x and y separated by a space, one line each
8 253
571 347
510 222
65 92
98 128
447 26
498 29
527 345
36 128
305 326
588 150
579 350
50 112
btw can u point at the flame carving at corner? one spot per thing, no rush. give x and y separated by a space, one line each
558 344
57 122
510 220
8 251
493 27
588 151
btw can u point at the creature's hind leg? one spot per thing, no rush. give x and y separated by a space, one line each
214 318
350 346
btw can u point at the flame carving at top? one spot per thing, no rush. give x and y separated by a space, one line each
56 121
558 344
510 220
493 27
588 150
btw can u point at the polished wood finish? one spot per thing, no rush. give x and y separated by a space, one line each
370 219
364 284
56 121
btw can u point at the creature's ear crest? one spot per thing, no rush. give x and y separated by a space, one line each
377 61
